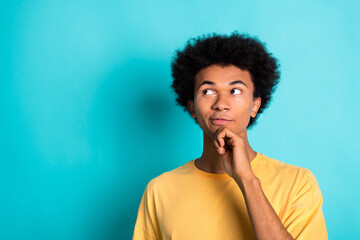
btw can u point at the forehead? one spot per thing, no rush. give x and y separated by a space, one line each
223 75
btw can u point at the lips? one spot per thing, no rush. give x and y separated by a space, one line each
220 118
220 121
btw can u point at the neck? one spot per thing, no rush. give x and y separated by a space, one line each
211 161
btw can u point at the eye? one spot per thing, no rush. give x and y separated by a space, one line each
208 92
236 91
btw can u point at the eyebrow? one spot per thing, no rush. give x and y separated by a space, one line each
213 84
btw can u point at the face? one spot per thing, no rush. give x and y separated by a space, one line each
223 97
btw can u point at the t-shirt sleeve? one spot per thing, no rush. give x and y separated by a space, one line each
146 226
305 219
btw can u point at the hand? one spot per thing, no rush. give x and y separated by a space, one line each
235 156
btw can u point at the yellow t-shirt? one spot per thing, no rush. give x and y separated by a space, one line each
188 203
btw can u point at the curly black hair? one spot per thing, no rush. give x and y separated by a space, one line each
241 50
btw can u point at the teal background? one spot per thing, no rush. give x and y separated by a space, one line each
87 117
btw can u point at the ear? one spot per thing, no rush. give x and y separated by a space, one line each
190 105
255 107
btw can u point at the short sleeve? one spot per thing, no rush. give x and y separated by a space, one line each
146 226
305 219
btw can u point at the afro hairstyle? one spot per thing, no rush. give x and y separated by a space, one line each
240 50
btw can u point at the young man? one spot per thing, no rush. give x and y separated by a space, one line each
231 191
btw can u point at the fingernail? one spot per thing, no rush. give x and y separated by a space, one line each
219 151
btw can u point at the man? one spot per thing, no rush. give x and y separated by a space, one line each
231 191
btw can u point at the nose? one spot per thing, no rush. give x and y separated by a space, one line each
220 104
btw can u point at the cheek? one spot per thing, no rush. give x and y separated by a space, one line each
202 105
243 110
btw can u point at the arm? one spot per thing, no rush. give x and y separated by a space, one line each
305 218
266 224
146 226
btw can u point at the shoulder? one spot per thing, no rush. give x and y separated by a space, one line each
274 168
276 175
296 184
169 178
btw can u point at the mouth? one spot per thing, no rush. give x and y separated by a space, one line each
220 121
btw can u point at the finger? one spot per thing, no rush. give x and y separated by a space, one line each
221 141
225 133
216 140
218 145
230 142
222 137
227 139
216 136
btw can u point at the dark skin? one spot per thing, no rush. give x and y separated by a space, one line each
223 103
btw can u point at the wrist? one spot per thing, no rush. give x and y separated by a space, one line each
250 177
247 181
